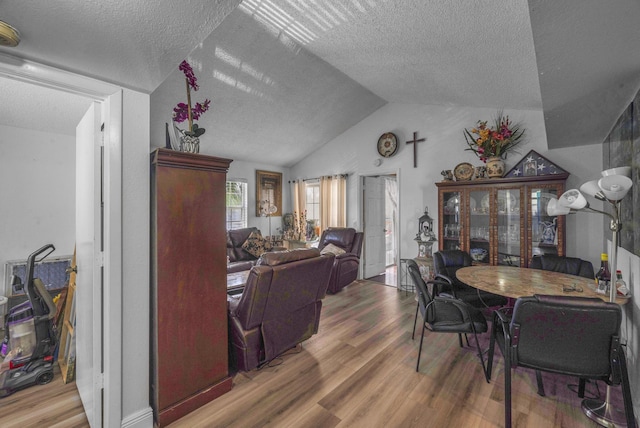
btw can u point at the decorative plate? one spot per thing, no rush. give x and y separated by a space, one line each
387 144
463 171
484 203
508 203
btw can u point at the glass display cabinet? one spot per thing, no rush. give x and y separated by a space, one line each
501 221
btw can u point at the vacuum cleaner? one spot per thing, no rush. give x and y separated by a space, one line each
30 337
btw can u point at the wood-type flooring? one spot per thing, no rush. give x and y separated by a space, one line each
358 371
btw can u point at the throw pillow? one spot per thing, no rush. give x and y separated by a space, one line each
330 248
256 244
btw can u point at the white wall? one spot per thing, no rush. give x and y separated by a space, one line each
37 186
354 152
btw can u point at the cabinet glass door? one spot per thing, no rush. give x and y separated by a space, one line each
479 225
452 221
509 237
544 228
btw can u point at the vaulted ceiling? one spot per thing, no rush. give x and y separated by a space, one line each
301 72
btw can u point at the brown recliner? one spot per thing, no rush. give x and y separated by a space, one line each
279 307
346 265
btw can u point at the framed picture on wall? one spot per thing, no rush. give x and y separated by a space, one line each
268 193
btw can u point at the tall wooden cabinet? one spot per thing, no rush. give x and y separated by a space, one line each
501 221
189 351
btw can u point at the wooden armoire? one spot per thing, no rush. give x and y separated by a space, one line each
189 357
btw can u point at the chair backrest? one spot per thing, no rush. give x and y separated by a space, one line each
447 262
564 334
423 294
570 265
344 237
283 282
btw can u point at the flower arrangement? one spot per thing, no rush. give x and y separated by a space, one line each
494 141
183 111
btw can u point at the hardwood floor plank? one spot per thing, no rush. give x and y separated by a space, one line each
358 371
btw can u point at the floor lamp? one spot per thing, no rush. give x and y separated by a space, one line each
611 188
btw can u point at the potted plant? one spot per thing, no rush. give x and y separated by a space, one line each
190 140
492 144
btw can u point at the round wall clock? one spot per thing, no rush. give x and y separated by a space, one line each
387 144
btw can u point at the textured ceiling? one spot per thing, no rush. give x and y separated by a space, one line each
299 72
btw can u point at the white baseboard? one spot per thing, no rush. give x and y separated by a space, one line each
141 419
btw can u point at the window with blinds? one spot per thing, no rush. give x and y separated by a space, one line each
236 202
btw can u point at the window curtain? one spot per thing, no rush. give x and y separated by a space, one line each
333 201
298 196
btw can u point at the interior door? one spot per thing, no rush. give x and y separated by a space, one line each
88 257
374 226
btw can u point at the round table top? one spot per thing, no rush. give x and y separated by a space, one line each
517 282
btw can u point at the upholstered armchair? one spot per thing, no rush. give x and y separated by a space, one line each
279 307
346 244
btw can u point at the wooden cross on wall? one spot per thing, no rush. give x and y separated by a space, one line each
415 142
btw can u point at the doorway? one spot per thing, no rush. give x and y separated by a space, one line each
380 226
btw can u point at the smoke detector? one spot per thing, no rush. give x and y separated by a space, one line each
9 36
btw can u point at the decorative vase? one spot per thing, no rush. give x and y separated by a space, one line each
495 167
189 144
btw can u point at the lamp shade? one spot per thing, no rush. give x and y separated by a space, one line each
591 188
615 187
555 209
572 198
621 170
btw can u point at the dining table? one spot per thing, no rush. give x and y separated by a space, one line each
515 282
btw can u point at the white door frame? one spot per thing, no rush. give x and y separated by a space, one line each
110 98
360 207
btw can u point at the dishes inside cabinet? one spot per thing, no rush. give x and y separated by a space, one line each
484 202
472 204
508 203
478 254
452 205
543 200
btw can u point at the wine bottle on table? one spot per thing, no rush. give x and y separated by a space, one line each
603 277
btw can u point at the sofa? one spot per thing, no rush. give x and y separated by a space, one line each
346 244
279 307
244 247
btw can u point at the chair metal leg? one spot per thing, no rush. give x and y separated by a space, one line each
420 349
581 386
484 368
540 385
492 344
415 321
460 340
507 388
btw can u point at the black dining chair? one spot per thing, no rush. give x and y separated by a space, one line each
563 264
574 336
445 314
445 265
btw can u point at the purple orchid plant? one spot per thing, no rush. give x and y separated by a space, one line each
183 111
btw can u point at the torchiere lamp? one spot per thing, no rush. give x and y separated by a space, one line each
611 188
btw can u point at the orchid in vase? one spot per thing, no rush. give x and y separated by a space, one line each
183 111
